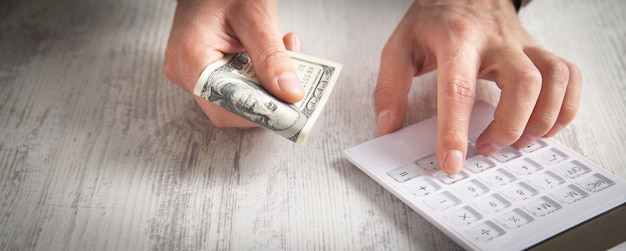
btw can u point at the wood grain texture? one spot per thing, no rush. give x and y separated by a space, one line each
99 151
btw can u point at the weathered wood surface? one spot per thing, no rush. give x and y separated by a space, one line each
99 151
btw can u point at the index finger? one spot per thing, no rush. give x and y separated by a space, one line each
456 84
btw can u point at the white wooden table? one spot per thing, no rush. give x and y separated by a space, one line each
99 151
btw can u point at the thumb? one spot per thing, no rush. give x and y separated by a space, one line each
257 29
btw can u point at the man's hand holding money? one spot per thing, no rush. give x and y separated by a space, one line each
204 30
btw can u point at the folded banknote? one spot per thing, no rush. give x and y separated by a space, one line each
232 84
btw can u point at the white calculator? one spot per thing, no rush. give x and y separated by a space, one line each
509 201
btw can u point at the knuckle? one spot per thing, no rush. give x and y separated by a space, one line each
244 9
173 70
459 26
511 134
506 131
529 82
529 77
559 71
574 72
459 89
383 92
272 57
392 45
559 68
384 88
541 125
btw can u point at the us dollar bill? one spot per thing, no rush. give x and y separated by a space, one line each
232 84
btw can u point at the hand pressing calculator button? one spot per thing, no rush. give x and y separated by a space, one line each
509 201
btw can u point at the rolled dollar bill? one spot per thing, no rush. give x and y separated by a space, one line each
232 84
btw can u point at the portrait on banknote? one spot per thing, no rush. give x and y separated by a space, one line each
249 101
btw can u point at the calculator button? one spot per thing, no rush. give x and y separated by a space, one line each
472 150
547 180
514 219
493 204
573 169
428 163
442 201
450 178
479 164
534 146
422 187
596 183
520 192
551 157
569 194
542 207
464 216
403 173
498 178
486 232
471 189
506 154
524 167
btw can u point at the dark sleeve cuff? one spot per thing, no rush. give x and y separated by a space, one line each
519 4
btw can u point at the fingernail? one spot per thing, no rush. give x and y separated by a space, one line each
383 122
525 140
488 149
289 82
453 162
297 43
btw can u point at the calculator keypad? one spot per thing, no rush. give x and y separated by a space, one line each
503 192
510 200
